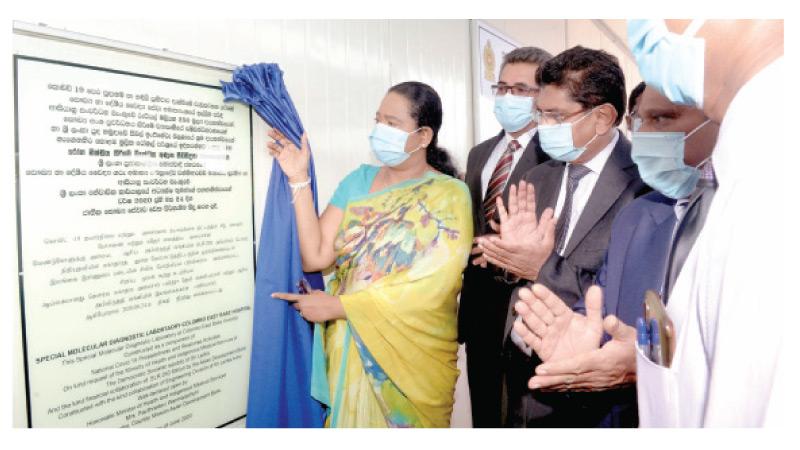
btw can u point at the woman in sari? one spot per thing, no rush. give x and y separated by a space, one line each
398 237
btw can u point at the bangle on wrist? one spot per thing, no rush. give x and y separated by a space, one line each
298 177
300 185
297 187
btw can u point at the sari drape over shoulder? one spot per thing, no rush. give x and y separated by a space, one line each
400 256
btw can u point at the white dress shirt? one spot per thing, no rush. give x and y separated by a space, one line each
585 186
524 139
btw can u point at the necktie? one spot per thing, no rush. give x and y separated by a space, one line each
688 229
574 174
498 180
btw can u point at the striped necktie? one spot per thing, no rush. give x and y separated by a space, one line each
574 174
498 181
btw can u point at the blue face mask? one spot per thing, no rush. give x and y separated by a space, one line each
389 144
513 112
557 141
659 157
671 63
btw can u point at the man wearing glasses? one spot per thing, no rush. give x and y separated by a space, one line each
493 165
557 235
650 241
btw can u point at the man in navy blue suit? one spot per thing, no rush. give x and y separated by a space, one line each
650 239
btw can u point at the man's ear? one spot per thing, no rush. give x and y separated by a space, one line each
606 116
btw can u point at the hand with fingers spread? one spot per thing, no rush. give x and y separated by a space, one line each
552 329
292 160
524 243
316 306
568 343
611 366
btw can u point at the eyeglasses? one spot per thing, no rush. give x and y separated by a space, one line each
556 118
517 89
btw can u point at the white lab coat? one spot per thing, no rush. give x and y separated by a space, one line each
731 297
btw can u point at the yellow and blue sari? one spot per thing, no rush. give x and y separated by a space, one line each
400 255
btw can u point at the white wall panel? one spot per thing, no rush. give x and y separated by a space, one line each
337 73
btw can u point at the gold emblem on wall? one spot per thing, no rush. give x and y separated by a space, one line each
488 62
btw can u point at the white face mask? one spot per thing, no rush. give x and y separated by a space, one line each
557 140
659 158
389 144
513 112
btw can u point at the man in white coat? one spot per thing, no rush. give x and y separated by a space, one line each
732 293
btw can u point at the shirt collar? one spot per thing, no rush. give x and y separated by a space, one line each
597 163
707 171
524 139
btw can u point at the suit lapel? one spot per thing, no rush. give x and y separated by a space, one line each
646 247
611 184
484 151
529 159
548 186
664 211
689 228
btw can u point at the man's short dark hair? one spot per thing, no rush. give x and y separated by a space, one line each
529 55
592 77
634 97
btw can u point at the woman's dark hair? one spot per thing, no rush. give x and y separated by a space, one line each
426 109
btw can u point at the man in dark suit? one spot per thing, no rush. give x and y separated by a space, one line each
491 166
589 180
650 240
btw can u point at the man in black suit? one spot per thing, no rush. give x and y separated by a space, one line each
589 179
491 166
